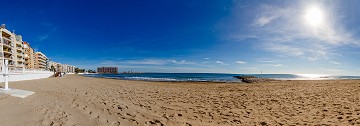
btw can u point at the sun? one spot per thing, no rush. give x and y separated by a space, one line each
314 16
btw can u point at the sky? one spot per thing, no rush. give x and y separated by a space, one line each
212 36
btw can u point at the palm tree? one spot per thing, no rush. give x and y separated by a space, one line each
53 69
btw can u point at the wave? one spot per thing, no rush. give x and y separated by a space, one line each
208 77
150 79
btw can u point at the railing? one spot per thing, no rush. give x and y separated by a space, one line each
28 71
42 61
18 45
9 39
8 43
19 50
9 58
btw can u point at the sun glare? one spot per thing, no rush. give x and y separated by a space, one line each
314 16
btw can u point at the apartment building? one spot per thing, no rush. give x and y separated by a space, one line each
68 68
7 46
29 56
21 56
59 67
107 70
71 69
40 61
19 53
49 64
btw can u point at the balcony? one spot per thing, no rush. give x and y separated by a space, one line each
7 43
41 63
11 63
41 60
7 54
7 38
7 58
7 51
19 66
6 46
18 45
40 57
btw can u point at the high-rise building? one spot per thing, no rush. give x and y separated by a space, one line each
29 56
71 69
50 64
107 70
21 56
40 61
7 46
68 68
59 67
19 53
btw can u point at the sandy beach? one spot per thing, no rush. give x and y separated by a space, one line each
85 101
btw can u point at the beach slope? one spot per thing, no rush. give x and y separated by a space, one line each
78 100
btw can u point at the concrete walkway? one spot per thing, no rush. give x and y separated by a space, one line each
16 92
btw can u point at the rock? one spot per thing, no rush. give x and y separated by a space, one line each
252 79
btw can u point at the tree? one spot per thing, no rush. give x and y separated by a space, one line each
91 71
78 70
53 69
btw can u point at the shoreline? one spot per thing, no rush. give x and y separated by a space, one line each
79 100
240 82
166 81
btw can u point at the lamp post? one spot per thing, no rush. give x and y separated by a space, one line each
6 74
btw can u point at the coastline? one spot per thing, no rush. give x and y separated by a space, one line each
219 77
78 100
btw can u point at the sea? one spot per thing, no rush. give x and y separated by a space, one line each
214 77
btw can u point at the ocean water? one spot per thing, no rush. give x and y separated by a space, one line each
214 77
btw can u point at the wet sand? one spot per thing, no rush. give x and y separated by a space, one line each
85 101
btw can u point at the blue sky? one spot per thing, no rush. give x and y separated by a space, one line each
224 36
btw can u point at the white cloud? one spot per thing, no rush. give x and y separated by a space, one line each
169 69
268 16
219 62
336 63
157 65
148 62
45 36
276 65
266 61
282 29
264 20
332 71
180 62
240 62
206 62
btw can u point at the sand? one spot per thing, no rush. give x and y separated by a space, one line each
85 101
